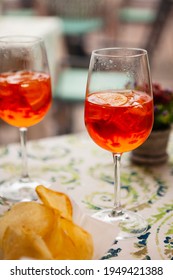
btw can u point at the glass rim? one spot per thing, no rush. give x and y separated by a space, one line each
20 39
111 52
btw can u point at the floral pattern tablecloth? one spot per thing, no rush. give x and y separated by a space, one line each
86 172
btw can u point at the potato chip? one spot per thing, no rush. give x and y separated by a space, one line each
43 231
56 200
57 242
18 243
81 238
30 215
68 241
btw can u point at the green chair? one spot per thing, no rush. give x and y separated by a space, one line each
137 15
154 15
79 17
69 93
76 27
71 85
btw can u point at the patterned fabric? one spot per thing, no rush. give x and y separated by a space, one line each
86 172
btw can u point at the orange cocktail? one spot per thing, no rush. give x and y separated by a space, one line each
25 97
119 121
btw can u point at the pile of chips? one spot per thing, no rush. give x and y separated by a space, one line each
43 231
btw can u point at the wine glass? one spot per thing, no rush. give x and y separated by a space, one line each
119 118
25 98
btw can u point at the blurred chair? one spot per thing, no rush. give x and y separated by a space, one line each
162 16
69 96
138 11
136 18
69 93
79 17
150 17
18 7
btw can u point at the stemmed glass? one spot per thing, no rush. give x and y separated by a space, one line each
119 118
25 98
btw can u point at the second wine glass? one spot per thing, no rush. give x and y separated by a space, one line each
25 98
119 118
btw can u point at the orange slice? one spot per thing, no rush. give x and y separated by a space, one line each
108 98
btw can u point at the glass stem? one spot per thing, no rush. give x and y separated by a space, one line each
24 175
117 209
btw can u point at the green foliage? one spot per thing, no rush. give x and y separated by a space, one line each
163 107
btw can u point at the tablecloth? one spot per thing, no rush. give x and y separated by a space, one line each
86 172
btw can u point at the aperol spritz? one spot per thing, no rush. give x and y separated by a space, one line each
25 98
119 118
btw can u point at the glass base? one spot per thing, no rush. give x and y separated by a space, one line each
21 190
127 223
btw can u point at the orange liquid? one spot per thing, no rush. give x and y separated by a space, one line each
119 128
25 97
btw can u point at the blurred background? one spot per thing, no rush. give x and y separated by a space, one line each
72 29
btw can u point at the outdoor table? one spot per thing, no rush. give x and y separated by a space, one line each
85 171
